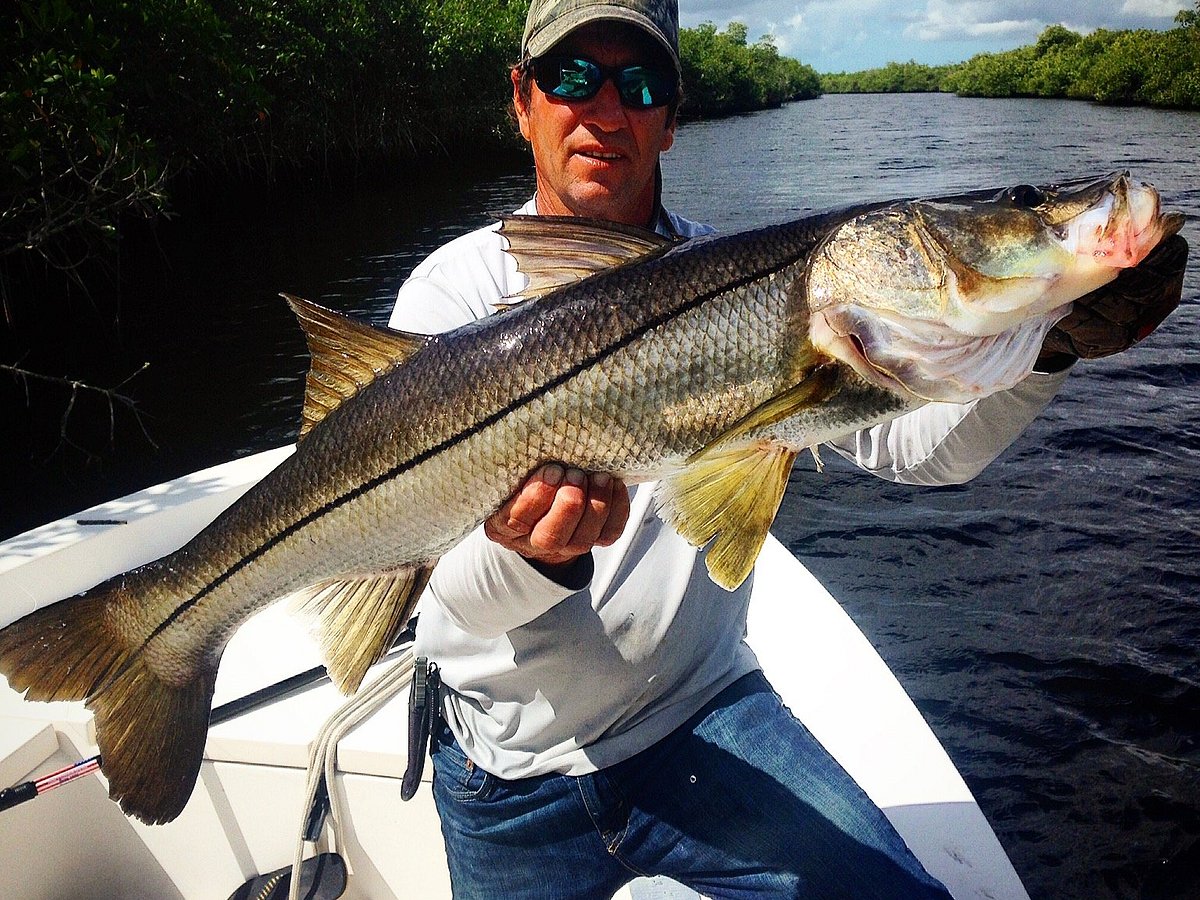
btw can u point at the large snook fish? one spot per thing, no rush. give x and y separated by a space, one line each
706 366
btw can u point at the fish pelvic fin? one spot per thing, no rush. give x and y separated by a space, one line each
729 496
358 618
151 733
346 356
555 251
151 736
730 491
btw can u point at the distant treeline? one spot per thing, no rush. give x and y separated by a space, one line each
104 103
723 74
1158 68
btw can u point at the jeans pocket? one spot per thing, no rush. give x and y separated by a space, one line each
457 776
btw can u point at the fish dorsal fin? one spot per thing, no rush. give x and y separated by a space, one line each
358 618
729 492
554 251
346 355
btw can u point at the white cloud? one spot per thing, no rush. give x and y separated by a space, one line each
946 21
1160 9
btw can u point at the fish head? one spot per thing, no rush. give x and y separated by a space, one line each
950 299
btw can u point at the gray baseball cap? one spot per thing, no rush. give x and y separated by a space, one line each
549 21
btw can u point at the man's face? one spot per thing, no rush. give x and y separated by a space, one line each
596 157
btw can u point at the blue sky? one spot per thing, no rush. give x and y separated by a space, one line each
848 35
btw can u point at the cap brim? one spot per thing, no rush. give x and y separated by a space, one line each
561 28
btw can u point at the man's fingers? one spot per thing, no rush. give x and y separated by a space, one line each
1112 318
555 530
618 514
560 513
596 510
529 505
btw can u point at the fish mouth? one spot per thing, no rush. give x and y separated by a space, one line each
1123 226
959 306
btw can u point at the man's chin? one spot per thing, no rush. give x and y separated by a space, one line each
600 203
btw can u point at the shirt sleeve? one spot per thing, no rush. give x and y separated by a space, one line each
488 590
949 443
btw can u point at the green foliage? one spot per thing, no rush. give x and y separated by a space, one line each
723 74
102 101
909 77
1158 68
67 156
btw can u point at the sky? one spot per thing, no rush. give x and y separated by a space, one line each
850 35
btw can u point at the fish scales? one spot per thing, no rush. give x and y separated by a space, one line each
674 357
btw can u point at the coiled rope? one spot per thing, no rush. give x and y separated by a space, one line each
322 758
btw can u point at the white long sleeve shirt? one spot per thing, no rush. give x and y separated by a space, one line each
544 679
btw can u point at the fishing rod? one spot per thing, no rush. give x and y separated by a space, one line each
280 690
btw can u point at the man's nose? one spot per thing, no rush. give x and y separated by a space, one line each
605 109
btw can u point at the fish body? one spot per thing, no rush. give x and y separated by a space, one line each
706 366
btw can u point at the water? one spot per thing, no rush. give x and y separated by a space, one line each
1044 617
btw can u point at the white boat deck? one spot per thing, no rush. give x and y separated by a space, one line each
244 816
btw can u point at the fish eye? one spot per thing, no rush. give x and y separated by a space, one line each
1026 196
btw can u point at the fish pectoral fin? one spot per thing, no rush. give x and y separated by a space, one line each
817 386
728 495
346 356
359 618
554 251
732 488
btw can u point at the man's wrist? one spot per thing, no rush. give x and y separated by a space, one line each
573 574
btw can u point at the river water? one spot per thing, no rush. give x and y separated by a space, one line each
1044 617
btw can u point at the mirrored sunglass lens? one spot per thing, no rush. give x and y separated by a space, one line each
571 78
577 79
641 86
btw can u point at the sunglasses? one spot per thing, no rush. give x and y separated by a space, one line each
575 78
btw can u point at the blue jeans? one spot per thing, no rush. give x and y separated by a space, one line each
740 801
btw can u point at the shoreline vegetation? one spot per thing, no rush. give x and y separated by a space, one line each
114 109
1139 67
111 109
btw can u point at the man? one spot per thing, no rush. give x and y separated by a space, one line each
604 717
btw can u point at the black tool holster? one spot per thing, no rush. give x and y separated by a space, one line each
424 713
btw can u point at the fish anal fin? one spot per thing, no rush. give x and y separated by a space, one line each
347 354
554 251
728 496
151 736
358 618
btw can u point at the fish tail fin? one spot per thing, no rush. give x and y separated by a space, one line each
358 618
151 733
63 651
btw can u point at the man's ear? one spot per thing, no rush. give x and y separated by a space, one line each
519 106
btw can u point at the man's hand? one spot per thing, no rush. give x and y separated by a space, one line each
1118 315
559 514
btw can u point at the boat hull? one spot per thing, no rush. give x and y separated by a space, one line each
245 814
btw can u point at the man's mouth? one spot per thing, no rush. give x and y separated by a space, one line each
600 154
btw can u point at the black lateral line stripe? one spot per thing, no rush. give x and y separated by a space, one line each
463 435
